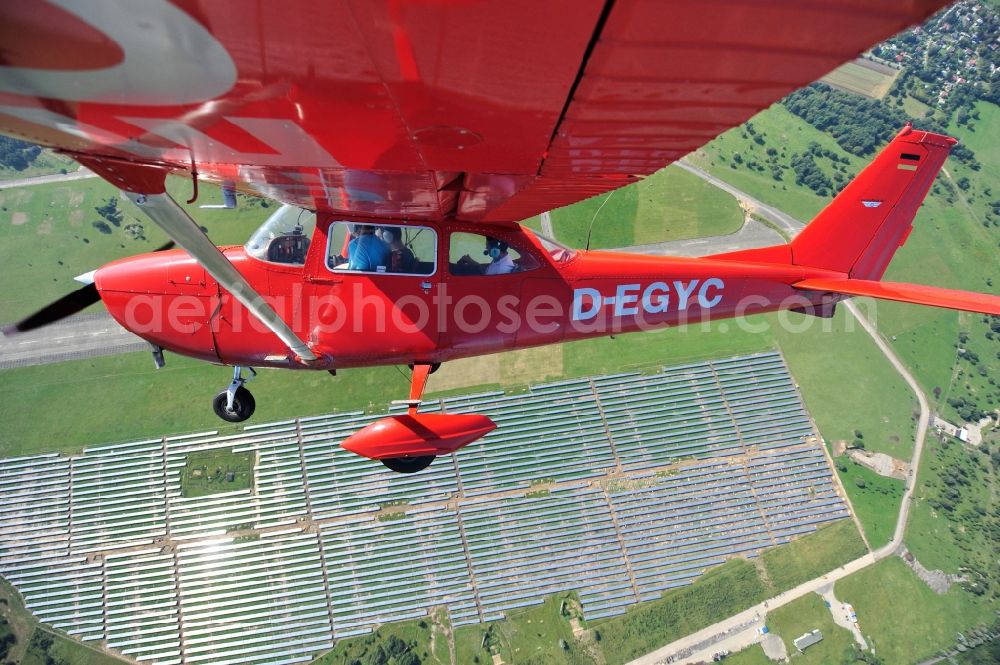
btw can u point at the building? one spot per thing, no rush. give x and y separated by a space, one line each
806 640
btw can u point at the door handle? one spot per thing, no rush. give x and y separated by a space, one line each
426 286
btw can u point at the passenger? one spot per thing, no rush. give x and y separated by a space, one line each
500 261
366 252
401 257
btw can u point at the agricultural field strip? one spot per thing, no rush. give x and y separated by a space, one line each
710 460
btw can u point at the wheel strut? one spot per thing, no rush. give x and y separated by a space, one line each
236 384
235 404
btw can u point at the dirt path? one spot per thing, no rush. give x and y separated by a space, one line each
840 617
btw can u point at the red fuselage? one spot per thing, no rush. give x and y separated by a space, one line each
356 319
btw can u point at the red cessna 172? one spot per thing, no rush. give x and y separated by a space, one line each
405 137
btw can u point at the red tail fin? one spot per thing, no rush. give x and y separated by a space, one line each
860 231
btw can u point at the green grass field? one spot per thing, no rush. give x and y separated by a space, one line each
801 560
218 470
40 646
721 592
848 384
123 397
802 616
963 478
863 78
752 655
787 134
915 108
48 235
901 617
47 647
422 638
876 504
532 636
671 204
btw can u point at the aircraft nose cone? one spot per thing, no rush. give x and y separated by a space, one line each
165 298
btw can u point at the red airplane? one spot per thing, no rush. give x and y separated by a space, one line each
404 137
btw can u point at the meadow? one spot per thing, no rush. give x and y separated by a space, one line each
804 615
901 617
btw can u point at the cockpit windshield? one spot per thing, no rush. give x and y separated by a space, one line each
560 253
284 237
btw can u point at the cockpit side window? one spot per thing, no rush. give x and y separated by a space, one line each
284 237
476 254
392 249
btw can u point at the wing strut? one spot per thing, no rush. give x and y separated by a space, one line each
145 185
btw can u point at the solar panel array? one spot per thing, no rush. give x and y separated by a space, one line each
620 487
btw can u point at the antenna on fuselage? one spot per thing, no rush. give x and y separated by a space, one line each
597 212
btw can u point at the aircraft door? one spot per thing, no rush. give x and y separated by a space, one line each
483 290
373 300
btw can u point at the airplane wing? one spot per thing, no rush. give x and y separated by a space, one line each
417 109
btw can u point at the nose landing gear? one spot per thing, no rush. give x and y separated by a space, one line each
235 404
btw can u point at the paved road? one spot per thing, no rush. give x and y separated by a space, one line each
81 174
840 615
82 336
752 234
547 229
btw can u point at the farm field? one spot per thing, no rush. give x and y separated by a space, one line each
863 77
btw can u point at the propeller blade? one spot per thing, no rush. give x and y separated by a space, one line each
68 305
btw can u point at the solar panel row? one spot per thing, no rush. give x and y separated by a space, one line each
620 487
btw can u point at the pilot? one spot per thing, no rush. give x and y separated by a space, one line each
401 258
367 252
500 263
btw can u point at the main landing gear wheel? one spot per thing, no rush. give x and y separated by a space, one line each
243 405
235 404
408 464
434 367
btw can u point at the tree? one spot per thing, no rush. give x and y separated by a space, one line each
17 155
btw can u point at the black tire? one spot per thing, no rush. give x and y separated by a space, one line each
243 406
434 367
408 464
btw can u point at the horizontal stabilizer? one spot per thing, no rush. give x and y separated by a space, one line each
917 294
